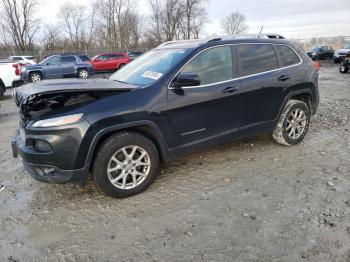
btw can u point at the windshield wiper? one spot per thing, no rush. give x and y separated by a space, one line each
120 81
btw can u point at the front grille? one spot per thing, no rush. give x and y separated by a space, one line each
343 53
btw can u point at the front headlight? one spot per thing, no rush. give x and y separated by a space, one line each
313 53
58 121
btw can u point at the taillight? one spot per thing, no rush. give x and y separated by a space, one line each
317 65
17 69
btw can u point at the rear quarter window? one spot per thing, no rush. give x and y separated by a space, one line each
256 58
84 58
287 55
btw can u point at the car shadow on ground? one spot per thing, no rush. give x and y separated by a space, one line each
173 178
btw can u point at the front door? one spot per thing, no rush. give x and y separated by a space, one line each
211 109
53 67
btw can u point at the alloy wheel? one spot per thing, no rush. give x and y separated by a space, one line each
128 167
83 74
296 123
35 78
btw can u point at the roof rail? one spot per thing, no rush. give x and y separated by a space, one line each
265 35
180 41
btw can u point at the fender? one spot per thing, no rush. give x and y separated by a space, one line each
165 153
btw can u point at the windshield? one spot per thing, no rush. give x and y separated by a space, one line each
150 67
315 48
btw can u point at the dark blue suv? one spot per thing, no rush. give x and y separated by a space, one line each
59 66
172 100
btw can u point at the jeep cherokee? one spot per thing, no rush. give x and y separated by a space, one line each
172 100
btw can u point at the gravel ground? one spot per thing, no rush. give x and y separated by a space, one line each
252 200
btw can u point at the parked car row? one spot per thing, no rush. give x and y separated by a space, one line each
327 52
71 65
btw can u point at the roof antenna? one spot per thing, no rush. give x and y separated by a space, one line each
261 30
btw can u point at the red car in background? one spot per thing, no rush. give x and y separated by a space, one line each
110 61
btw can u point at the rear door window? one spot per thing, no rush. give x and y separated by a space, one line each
68 59
287 55
84 58
256 58
212 65
115 56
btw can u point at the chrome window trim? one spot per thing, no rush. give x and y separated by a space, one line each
237 78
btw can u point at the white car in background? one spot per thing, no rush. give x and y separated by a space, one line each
26 60
9 75
341 53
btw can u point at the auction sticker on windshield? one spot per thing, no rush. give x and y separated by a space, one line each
152 75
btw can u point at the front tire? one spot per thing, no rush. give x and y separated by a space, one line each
293 123
83 74
126 164
120 66
35 77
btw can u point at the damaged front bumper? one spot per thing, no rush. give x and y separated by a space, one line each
40 164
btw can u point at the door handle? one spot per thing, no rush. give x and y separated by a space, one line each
283 77
230 89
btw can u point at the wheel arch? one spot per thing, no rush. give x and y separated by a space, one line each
146 128
36 71
305 95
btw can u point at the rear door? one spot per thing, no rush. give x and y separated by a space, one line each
211 109
68 65
262 84
113 63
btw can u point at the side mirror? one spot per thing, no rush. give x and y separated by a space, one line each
186 79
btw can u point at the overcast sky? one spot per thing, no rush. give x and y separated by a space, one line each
291 18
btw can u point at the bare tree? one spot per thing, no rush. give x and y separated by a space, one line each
73 18
19 22
156 20
235 23
171 18
194 17
51 37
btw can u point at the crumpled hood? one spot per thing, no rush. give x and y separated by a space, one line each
21 93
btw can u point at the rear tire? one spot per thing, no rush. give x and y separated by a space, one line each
343 69
126 164
83 74
35 77
293 123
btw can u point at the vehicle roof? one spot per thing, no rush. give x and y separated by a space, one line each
219 41
112 53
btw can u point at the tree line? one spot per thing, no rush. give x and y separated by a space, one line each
112 24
